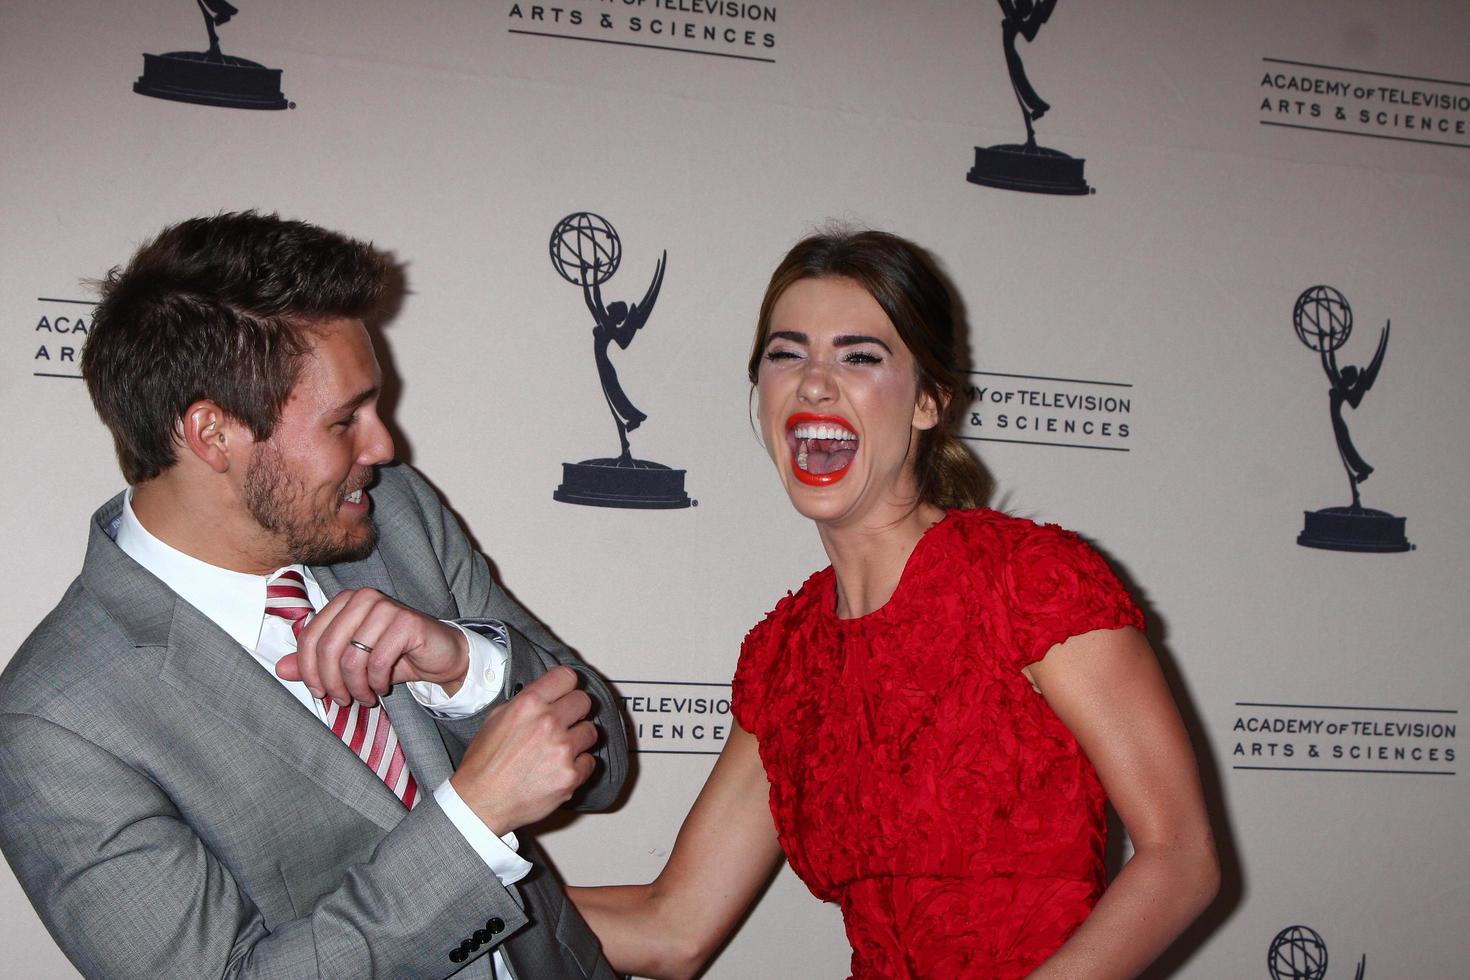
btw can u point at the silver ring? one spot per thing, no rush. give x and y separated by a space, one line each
360 645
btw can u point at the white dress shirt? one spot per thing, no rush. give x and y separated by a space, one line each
235 602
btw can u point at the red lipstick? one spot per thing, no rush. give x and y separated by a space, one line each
821 447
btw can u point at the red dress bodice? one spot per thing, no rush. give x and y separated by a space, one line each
916 777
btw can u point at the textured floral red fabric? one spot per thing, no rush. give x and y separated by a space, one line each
916 777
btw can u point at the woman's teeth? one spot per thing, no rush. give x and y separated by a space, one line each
832 446
823 431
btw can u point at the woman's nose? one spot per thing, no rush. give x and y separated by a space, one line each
816 382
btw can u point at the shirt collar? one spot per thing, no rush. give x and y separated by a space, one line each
233 601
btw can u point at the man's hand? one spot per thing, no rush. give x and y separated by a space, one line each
530 755
405 645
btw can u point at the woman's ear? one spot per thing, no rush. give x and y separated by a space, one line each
929 408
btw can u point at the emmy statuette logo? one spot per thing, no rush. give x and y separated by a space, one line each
1298 953
1323 321
586 252
211 77
1026 166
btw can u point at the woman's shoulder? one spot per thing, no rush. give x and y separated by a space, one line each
996 539
1050 582
985 520
1033 564
761 651
791 608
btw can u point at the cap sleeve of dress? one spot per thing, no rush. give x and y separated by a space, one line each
747 690
1055 586
765 655
761 654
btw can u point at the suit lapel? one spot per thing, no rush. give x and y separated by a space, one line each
423 746
369 573
372 573
202 663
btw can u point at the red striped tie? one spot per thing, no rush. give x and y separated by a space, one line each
366 730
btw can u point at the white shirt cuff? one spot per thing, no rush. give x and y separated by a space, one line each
482 681
498 853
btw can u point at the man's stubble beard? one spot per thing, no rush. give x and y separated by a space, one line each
281 505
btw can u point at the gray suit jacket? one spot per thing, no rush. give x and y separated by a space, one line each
172 811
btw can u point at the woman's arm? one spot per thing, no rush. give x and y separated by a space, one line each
1107 688
723 855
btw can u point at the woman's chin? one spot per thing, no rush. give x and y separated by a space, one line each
819 497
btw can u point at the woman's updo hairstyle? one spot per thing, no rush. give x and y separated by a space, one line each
903 280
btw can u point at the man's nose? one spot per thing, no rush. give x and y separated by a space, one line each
377 447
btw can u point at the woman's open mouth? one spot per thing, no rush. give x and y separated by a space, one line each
821 447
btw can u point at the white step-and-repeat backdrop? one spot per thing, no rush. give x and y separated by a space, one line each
1230 276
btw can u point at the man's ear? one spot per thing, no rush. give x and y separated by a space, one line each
212 436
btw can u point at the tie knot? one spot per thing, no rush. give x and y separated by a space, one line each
285 596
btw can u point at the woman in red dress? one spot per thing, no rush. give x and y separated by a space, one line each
930 727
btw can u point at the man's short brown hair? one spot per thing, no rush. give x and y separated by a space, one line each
217 308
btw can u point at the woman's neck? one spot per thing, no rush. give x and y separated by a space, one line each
869 560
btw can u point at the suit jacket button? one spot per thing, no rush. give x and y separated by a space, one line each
458 955
496 925
481 937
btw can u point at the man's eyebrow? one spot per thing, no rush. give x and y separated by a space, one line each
365 395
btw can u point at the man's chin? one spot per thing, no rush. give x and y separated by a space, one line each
353 547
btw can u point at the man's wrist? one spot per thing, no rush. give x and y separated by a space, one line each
462 647
495 847
478 686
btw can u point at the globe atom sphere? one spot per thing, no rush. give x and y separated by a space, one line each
1322 318
1297 953
584 249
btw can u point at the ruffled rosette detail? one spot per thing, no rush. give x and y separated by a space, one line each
916 778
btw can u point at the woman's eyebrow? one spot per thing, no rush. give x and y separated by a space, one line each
795 336
853 339
841 340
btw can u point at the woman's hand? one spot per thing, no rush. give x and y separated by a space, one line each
725 853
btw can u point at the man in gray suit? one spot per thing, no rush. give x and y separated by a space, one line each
284 723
